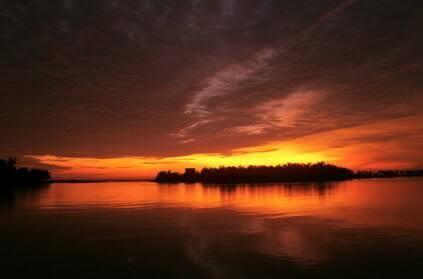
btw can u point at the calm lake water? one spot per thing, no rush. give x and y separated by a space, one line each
353 229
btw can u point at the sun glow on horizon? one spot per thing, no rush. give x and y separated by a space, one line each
144 167
347 147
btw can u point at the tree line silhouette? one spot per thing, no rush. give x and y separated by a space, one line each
388 173
261 174
291 172
10 175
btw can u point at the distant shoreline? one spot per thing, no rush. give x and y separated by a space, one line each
62 181
291 172
11 176
87 181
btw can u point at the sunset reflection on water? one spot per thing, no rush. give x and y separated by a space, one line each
272 228
352 202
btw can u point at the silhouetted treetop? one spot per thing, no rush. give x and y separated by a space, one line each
11 175
261 174
291 172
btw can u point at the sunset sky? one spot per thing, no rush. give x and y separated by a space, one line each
124 88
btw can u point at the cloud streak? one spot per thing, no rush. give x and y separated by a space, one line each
234 77
287 112
228 80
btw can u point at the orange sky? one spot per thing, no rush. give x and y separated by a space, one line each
118 90
372 146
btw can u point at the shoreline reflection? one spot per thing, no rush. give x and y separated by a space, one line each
243 231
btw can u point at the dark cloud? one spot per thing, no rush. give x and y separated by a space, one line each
164 78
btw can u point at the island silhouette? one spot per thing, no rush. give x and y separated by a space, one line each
290 172
12 176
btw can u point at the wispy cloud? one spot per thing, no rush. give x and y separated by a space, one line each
287 112
183 134
253 129
234 77
228 80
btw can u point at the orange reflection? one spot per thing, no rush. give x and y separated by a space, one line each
329 200
291 219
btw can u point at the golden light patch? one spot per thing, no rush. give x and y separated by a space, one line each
378 145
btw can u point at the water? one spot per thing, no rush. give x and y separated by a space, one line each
353 229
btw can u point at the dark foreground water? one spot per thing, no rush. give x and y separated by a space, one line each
354 229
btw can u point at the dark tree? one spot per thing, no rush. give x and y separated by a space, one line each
10 175
281 173
260 174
